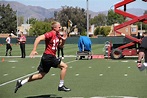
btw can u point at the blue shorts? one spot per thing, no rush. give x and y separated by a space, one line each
48 61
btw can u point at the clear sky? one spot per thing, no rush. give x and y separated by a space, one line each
94 5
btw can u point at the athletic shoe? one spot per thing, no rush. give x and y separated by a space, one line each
63 88
143 66
18 85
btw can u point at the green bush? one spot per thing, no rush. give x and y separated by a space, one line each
102 30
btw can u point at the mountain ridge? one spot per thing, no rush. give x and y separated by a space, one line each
41 13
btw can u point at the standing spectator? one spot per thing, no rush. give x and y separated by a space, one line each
8 45
22 41
48 59
61 44
142 53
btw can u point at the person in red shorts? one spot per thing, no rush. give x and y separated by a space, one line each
48 58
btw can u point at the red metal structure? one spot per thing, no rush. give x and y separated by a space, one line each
123 50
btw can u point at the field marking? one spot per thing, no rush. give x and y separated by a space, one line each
34 56
53 74
125 61
129 67
17 79
90 67
100 74
109 67
28 75
77 74
12 61
113 97
125 75
71 61
5 74
13 67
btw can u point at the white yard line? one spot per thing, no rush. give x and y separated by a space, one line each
37 56
28 75
17 79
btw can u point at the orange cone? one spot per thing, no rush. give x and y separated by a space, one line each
3 59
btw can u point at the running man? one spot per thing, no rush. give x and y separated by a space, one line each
48 59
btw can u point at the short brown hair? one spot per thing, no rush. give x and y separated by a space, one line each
54 24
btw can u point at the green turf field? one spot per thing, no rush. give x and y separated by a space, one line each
96 78
69 49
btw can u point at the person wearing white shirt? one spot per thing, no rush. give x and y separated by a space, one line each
8 45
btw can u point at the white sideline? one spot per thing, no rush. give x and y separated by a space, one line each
17 79
27 75
36 56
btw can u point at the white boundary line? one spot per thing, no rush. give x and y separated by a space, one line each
17 79
28 75
34 56
114 97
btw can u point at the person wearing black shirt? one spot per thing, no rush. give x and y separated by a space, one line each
142 53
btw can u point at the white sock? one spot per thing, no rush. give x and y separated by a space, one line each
145 64
24 81
61 83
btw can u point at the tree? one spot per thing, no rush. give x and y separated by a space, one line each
114 18
55 14
20 20
97 30
102 30
31 21
142 25
8 23
99 20
39 28
49 19
76 15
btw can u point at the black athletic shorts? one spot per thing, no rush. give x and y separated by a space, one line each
48 61
8 46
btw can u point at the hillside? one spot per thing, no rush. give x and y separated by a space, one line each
30 11
41 13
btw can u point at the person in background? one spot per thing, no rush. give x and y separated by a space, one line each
22 41
61 42
48 59
8 45
142 53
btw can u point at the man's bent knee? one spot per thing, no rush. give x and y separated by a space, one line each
40 75
63 65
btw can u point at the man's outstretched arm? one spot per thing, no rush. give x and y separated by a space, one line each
37 41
